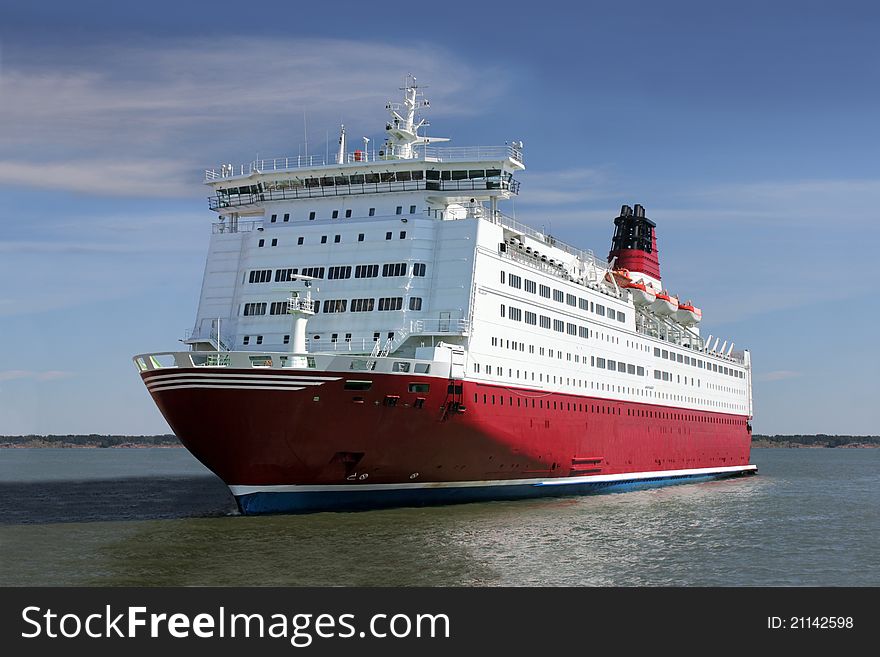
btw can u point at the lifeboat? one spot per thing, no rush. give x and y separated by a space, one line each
642 294
687 314
664 304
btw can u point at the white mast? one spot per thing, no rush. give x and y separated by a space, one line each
340 156
402 130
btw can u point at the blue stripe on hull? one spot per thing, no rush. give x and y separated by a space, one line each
359 500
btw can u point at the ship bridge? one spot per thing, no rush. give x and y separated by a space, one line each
453 173
407 162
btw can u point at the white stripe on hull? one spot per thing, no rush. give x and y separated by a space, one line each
264 381
559 481
205 386
240 375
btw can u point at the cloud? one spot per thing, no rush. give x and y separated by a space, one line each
568 186
104 177
49 375
132 120
778 375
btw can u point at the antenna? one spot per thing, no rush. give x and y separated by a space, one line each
305 134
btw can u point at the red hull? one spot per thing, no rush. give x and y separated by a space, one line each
326 434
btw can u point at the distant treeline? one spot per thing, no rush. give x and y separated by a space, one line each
91 440
170 440
816 440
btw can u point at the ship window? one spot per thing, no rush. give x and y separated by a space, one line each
583 304
386 176
336 214
415 303
640 371
600 363
477 173
558 296
259 339
559 325
278 308
445 175
403 234
419 269
502 309
621 317
358 385
274 241
403 176
348 214
679 358
286 339
366 271
371 178
432 174
545 291
246 339
348 337
600 310
665 354
419 387
335 305
612 365
657 374
339 272
531 318
341 180
394 269
327 181
362 306
571 299
388 235
299 241
337 239
311 216
412 209
258 308
459 175
357 179
287 217
261 243
391 303
530 286
372 212
583 332
323 239
657 351
399 210
274 218
493 173
621 367
312 182
360 237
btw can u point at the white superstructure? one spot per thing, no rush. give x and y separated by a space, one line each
407 252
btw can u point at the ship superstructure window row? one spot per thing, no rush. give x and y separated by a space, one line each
560 296
338 272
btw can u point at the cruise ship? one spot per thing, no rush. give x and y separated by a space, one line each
374 331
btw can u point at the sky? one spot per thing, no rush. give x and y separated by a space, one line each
748 130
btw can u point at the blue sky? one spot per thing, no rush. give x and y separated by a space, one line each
748 130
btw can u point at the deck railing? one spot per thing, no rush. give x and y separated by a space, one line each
426 153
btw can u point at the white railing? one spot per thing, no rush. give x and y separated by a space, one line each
501 219
337 363
432 153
